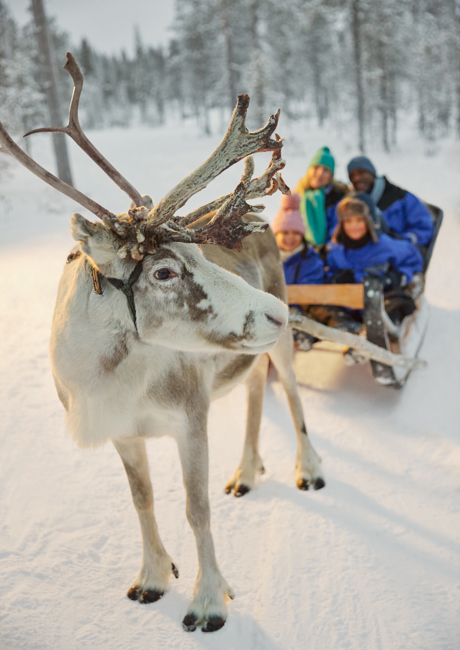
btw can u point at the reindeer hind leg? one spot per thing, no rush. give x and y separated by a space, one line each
243 478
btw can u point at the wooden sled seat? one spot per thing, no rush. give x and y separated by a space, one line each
342 295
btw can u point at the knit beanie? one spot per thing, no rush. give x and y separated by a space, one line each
354 206
323 157
361 162
289 217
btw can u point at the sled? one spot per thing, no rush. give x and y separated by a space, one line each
391 350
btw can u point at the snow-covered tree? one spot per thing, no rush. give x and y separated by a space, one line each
352 64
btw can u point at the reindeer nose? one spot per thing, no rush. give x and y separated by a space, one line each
274 321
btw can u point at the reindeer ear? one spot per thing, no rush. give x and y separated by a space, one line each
147 202
81 229
95 240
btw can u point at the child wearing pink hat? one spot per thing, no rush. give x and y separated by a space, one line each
301 263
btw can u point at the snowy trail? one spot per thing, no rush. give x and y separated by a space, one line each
369 563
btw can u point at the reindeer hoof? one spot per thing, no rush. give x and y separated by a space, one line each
189 623
134 593
175 570
319 483
303 484
150 596
214 624
240 492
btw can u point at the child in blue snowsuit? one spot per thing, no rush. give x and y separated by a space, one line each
301 263
358 251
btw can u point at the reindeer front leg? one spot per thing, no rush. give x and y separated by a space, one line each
211 592
157 566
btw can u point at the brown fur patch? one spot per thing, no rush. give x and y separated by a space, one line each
229 341
189 294
258 263
118 353
180 387
237 367
193 296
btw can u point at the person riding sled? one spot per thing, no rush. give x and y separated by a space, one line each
407 217
301 263
359 251
319 194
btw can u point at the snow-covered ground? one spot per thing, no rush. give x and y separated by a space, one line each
369 563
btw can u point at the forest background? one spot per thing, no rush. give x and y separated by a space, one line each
372 561
361 65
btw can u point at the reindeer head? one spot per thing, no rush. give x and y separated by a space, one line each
175 295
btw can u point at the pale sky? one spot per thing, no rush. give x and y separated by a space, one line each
107 24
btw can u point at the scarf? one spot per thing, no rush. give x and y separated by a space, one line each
353 244
285 255
378 189
313 210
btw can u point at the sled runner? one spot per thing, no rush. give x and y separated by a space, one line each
391 349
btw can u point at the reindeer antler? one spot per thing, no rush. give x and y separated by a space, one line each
14 150
226 228
238 143
267 184
74 130
142 229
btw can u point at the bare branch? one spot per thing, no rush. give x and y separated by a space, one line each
238 143
15 150
74 130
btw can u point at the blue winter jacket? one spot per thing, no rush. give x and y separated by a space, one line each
331 221
406 215
305 267
376 259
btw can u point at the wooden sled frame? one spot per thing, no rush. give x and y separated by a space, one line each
380 330
369 298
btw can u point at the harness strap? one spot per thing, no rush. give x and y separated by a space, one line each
96 278
125 287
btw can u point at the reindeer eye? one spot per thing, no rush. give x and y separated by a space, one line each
164 274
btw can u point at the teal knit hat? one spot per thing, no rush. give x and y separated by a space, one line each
323 157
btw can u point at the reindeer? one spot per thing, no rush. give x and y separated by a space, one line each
156 316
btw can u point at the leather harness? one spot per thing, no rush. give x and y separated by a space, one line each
124 287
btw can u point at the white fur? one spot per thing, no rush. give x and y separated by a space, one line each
106 406
125 383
